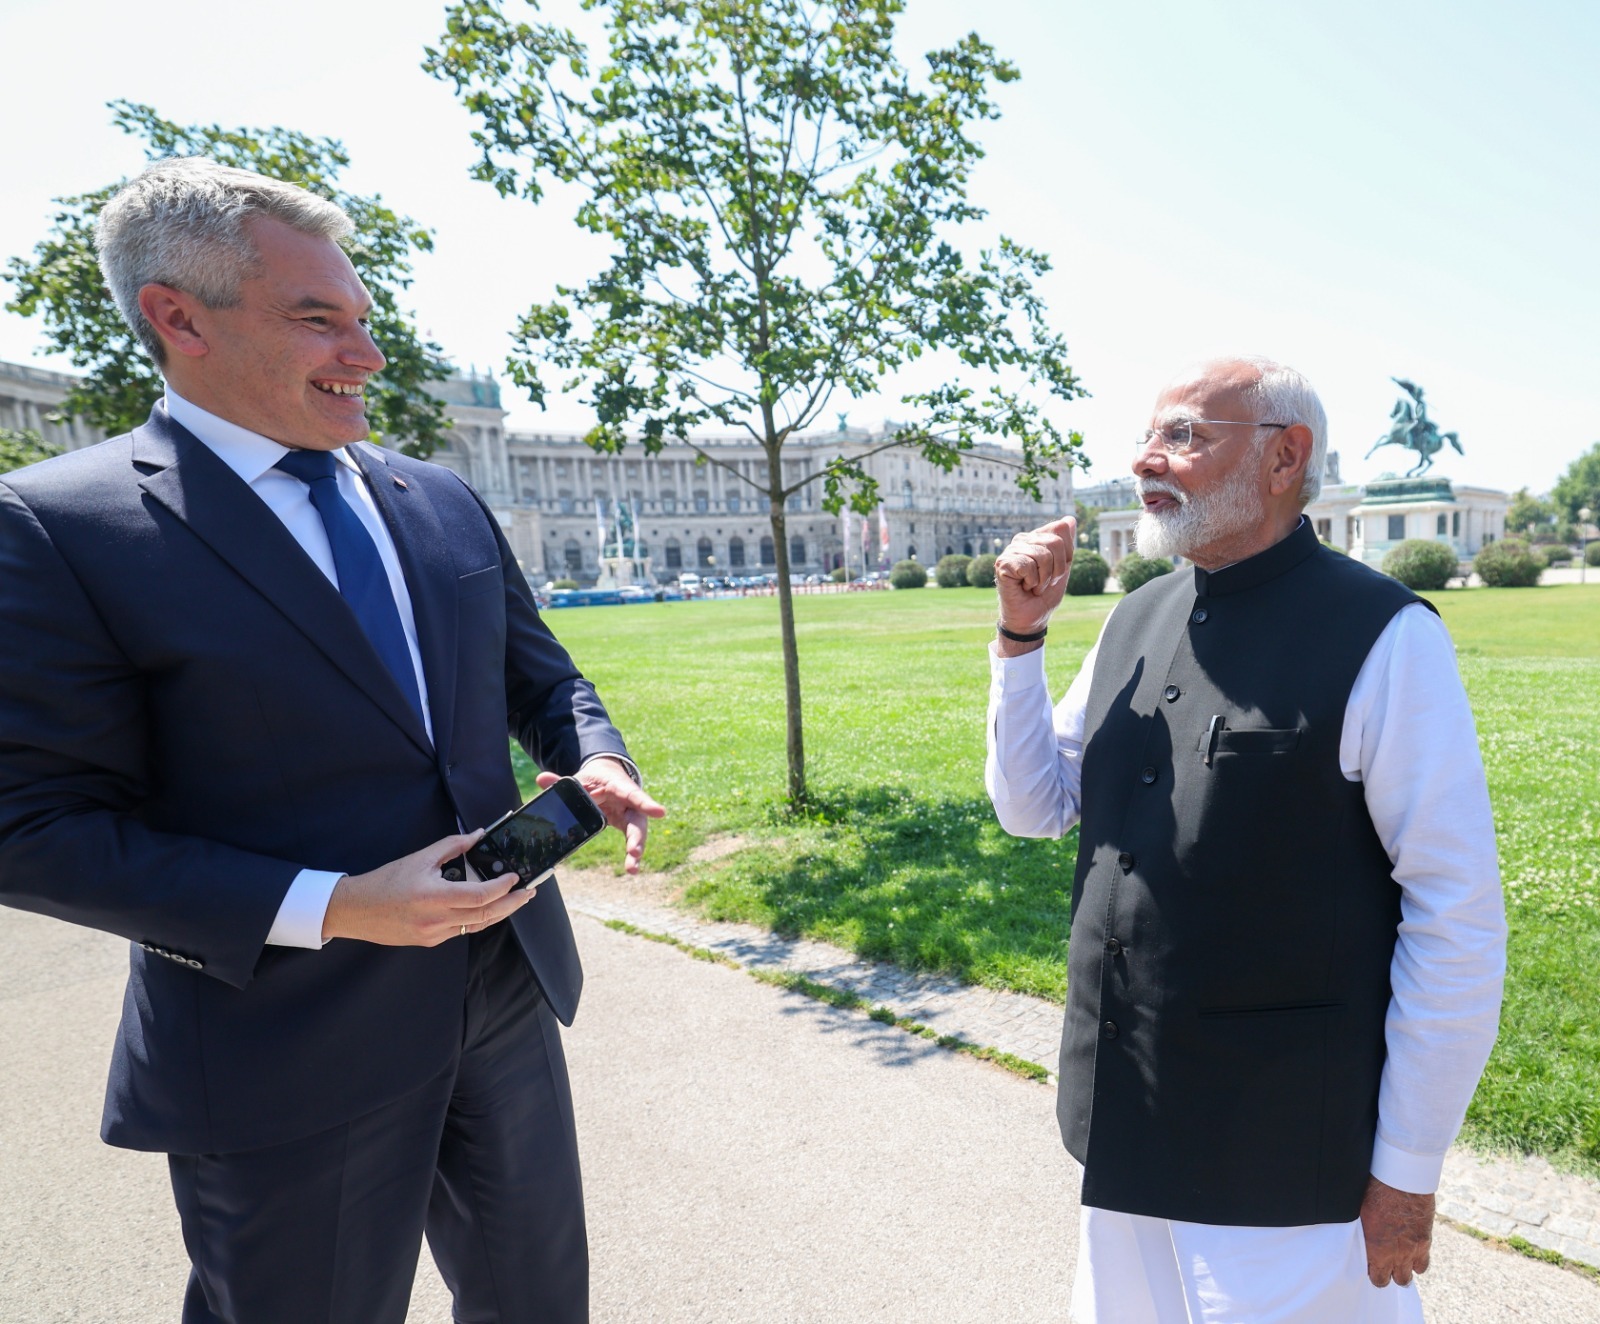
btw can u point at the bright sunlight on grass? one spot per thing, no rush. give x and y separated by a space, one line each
900 859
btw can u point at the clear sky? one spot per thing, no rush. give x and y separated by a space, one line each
1362 189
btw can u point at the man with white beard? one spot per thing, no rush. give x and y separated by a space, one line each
1288 936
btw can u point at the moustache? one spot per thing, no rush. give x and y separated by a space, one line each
1152 487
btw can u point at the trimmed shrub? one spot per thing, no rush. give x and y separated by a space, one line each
1134 571
1420 563
908 574
951 572
980 574
1509 563
1591 554
838 574
564 584
1557 554
1088 574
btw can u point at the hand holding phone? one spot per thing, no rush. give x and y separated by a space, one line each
531 841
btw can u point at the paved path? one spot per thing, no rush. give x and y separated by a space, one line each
1502 1197
749 1154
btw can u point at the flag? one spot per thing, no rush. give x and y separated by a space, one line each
600 528
883 535
844 534
633 506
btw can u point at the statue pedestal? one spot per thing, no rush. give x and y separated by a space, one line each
622 571
1395 509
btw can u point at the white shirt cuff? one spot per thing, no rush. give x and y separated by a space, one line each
1021 671
1417 1174
304 908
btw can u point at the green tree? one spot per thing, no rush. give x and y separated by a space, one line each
1530 515
779 195
1579 487
62 282
21 448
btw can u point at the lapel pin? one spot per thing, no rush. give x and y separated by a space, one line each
400 482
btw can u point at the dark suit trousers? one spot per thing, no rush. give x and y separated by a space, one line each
484 1158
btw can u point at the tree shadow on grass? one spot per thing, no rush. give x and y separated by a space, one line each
930 883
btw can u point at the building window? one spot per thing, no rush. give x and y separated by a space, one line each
1325 530
702 502
797 551
669 502
769 554
1397 528
674 555
564 500
574 555
735 551
733 503
1455 523
702 553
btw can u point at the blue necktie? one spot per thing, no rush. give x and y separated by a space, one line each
363 582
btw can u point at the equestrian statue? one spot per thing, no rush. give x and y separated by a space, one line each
1410 426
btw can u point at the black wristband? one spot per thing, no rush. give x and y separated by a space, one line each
1020 638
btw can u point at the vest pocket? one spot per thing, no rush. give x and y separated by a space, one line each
1260 741
1270 1009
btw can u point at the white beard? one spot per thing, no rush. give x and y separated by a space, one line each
1199 522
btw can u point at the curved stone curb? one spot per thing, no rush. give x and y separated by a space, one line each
1500 1196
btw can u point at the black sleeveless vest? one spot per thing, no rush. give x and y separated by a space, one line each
1233 912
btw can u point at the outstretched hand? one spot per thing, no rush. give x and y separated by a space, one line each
1398 1227
625 805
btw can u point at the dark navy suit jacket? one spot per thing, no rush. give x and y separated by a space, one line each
190 715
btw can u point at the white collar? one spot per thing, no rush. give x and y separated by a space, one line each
247 453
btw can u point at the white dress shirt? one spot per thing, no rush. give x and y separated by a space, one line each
1409 738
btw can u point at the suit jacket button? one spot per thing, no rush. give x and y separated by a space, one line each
1171 693
1109 1029
193 964
1114 948
1198 616
1125 861
1148 776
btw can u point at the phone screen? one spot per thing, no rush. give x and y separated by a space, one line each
533 841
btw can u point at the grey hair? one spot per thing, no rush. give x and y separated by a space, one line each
1282 395
181 222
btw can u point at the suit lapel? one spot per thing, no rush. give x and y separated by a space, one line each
430 572
184 476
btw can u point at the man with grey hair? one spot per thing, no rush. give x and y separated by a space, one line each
1288 937
256 693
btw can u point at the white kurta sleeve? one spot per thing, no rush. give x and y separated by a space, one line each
1034 769
1409 738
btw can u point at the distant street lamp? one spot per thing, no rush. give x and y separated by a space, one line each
1583 537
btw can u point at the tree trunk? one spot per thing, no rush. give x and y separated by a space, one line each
791 652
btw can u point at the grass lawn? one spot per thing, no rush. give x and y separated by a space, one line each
901 859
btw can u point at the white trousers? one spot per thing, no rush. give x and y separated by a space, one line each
1138 1270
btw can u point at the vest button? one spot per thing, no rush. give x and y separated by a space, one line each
1125 861
1199 615
1113 947
1148 776
1171 693
1109 1030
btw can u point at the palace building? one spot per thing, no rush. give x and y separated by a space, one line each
557 499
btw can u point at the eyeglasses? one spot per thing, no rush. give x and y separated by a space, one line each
1178 438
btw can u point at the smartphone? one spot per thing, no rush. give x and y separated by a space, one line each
531 841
